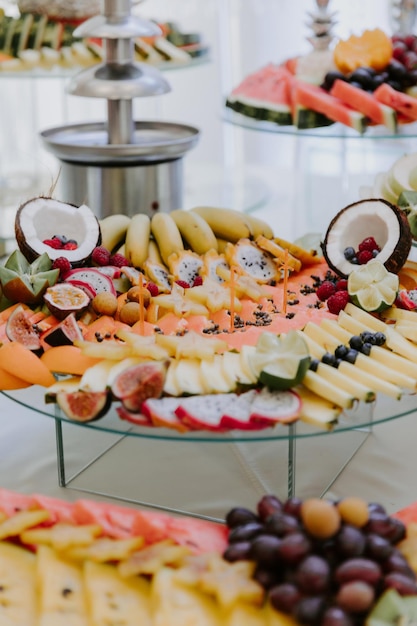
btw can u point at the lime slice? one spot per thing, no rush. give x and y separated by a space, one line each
280 361
372 287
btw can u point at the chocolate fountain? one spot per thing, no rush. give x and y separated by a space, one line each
122 165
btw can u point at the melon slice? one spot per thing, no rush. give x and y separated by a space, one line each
365 103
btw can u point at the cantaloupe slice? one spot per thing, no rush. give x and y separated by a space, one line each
22 363
8 381
67 360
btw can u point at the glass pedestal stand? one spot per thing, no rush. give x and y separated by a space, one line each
204 474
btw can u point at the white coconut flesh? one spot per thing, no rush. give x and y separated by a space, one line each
357 222
43 218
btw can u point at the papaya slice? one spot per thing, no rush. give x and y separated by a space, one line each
22 363
67 360
8 381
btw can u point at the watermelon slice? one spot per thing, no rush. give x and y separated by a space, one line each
11 502
199 535
60 510
401 102
317 99
365 103
116 521
264 95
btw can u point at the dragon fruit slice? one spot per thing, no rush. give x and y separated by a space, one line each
161 412
275 406
205 412
140 419
185 266
238 415
86 287
98 281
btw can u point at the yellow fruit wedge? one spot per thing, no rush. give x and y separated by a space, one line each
19 596
370 321
96 378
217 379
143 347
344 381
189 377
191 345
109 349
232 364
215 296
328 390
317 410
407 330
403 315
171 385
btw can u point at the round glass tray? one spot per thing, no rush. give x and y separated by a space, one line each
335 131
362 416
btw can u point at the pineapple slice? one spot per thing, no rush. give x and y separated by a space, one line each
214 296
191 345
252 261
62 536
151 559
178 302
245 286
326 389
143 347
112 350
317 410
278 253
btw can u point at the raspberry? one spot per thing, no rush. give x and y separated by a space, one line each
153 289
183 284
70 245
198 280
337 302
62 264
53 243
368 244
326 289
364 256
118 260
101 256
341 285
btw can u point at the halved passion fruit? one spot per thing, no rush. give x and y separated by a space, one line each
41 220
63 299
376 218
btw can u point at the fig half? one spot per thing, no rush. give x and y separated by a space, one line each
376 218
139 382
83 406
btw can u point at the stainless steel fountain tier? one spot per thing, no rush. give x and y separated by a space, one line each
122 165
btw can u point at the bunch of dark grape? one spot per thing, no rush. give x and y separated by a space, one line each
395 74
324 563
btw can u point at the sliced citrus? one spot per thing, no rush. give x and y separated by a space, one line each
372 287
280 361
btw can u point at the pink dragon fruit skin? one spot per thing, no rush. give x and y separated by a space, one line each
238 415
161 412
272 407
205 412
98 281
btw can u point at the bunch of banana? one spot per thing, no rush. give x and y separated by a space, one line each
201 229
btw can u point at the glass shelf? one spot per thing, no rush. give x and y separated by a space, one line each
334 131
145 449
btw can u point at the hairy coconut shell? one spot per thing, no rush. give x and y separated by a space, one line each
376 218
43 218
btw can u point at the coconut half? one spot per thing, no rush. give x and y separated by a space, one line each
376 218
43 218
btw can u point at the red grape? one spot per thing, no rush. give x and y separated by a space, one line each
237 551
285 597
350 541
356 596
245 532
313 575
268 505
403 584
239 516
281 524
377 547
358 569
294 548
310 609
265 550
335 616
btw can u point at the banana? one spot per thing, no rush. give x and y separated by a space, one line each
137 239
221 245
167 235
113 230
259 227
226 223
195 231
153 252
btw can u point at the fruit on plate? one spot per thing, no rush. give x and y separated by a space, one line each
280 361
366 103
373 48
139 382
376 218
20 328
45 225
63 299
26 282
83 405
372 287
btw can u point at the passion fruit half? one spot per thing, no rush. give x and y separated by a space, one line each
376 218
43 219
63 299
